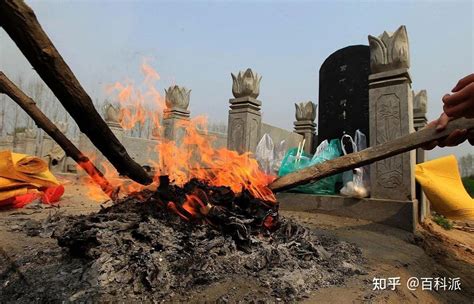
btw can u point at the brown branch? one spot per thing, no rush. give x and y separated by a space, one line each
20 22
354 160
26 103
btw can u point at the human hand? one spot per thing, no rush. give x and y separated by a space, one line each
455 138
458 104
461 102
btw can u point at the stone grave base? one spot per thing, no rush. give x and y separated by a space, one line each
400 214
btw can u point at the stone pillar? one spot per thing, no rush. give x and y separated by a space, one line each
30 142
19 142
57 156
112 119
391 114
420 102
155 133
245 118
46 145
305 125
176 113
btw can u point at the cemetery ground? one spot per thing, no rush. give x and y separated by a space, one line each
388 252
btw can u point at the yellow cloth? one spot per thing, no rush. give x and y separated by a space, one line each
20 173
443 187
29 164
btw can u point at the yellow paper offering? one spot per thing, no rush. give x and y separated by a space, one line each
444 189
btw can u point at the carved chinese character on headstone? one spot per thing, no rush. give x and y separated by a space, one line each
344 93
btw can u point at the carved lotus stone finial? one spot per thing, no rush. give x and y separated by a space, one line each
62 126
30 133
246 84
20 135
389 51
112 113
177 98
420 101
305 111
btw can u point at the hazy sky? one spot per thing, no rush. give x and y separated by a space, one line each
198 44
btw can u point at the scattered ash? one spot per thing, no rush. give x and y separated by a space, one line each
138 249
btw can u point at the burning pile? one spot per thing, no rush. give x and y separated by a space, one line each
218 206
138 249
208 217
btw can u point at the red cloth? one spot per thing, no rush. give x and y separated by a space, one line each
49 195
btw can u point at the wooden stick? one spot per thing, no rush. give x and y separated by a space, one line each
354 160
26 103
20 22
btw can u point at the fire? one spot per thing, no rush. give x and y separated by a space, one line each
116 181
193 156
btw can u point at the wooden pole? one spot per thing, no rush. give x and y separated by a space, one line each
26 103
354 160
20 23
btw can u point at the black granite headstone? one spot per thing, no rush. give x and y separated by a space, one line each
343 105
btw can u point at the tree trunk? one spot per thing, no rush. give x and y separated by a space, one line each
20 22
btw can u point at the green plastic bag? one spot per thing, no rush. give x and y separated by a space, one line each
326 186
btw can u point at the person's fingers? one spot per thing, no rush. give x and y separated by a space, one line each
452 99
463 82
458 110
431 145
459 96
445 96
432 124
439 123
455 138
442 121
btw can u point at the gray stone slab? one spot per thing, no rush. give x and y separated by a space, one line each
278 134
399 214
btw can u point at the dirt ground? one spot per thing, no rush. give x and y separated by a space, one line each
389 252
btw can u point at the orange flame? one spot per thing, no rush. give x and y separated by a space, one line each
193 156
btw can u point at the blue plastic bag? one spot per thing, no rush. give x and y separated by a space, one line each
324 152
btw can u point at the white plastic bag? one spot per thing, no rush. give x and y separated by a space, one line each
361 143
278 155
347 176
322 146
265 153
356 182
